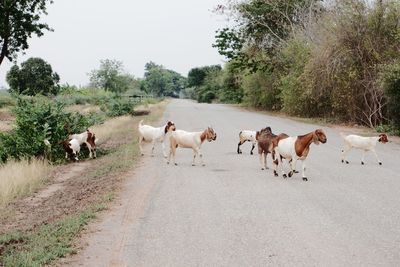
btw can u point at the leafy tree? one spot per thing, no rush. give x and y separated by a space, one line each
262 26
161 81
34 77
110 76
19 19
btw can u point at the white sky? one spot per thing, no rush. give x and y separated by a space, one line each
177 34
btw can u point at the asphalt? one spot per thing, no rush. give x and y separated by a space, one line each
231 213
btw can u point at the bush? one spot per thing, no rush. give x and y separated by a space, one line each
390 79
38 119
118 106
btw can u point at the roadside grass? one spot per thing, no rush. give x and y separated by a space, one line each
47 243
21 178
44 244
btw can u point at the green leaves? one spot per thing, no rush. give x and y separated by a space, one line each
34 77
19 19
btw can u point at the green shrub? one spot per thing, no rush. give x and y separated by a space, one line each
390 79
118 106
38 119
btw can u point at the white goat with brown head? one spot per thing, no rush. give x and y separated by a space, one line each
152 135
193 140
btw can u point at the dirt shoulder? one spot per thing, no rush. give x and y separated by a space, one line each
75 187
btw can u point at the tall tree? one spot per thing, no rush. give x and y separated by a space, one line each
19 19
110 76
161 81
34 77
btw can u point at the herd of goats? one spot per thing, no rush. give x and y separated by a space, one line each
281 146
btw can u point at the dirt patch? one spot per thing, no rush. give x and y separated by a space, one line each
69 192
74 187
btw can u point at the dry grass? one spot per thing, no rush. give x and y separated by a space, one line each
116 127
20 178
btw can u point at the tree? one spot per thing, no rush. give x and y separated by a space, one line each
19 19
161 81
110 76
34 77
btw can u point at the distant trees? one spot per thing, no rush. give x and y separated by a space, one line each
111 76
160 81
35 76
19 19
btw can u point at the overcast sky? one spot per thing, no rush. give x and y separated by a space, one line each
177 34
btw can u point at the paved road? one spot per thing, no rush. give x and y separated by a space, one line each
230 213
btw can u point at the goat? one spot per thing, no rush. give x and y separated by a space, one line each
361 142
89 139
295 148
193 140
72 149
247 135
264 139
152 134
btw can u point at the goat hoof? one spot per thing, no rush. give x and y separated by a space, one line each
305 179
251 153
342 161
362 162
275 174
193 164
203 164
262 169
167 162
380 163
290 174
284 176
176 164
295 171
347 162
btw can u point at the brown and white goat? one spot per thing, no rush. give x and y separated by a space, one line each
361 142
71 148
296 148
247 135
152 135
89 139
193 140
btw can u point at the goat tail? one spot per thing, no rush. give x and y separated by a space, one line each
141 123
240 134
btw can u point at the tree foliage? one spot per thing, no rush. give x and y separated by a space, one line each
35 76
111 77
160 81
335 59
19 19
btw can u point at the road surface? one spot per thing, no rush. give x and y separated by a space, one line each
231 213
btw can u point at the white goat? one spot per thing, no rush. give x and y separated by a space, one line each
89 139
247 135
152 134
192 140
361 142
295 148
72 149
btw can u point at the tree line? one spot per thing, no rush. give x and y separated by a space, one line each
334 59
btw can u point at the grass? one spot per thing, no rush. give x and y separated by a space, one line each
45 244
42 245
21 178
